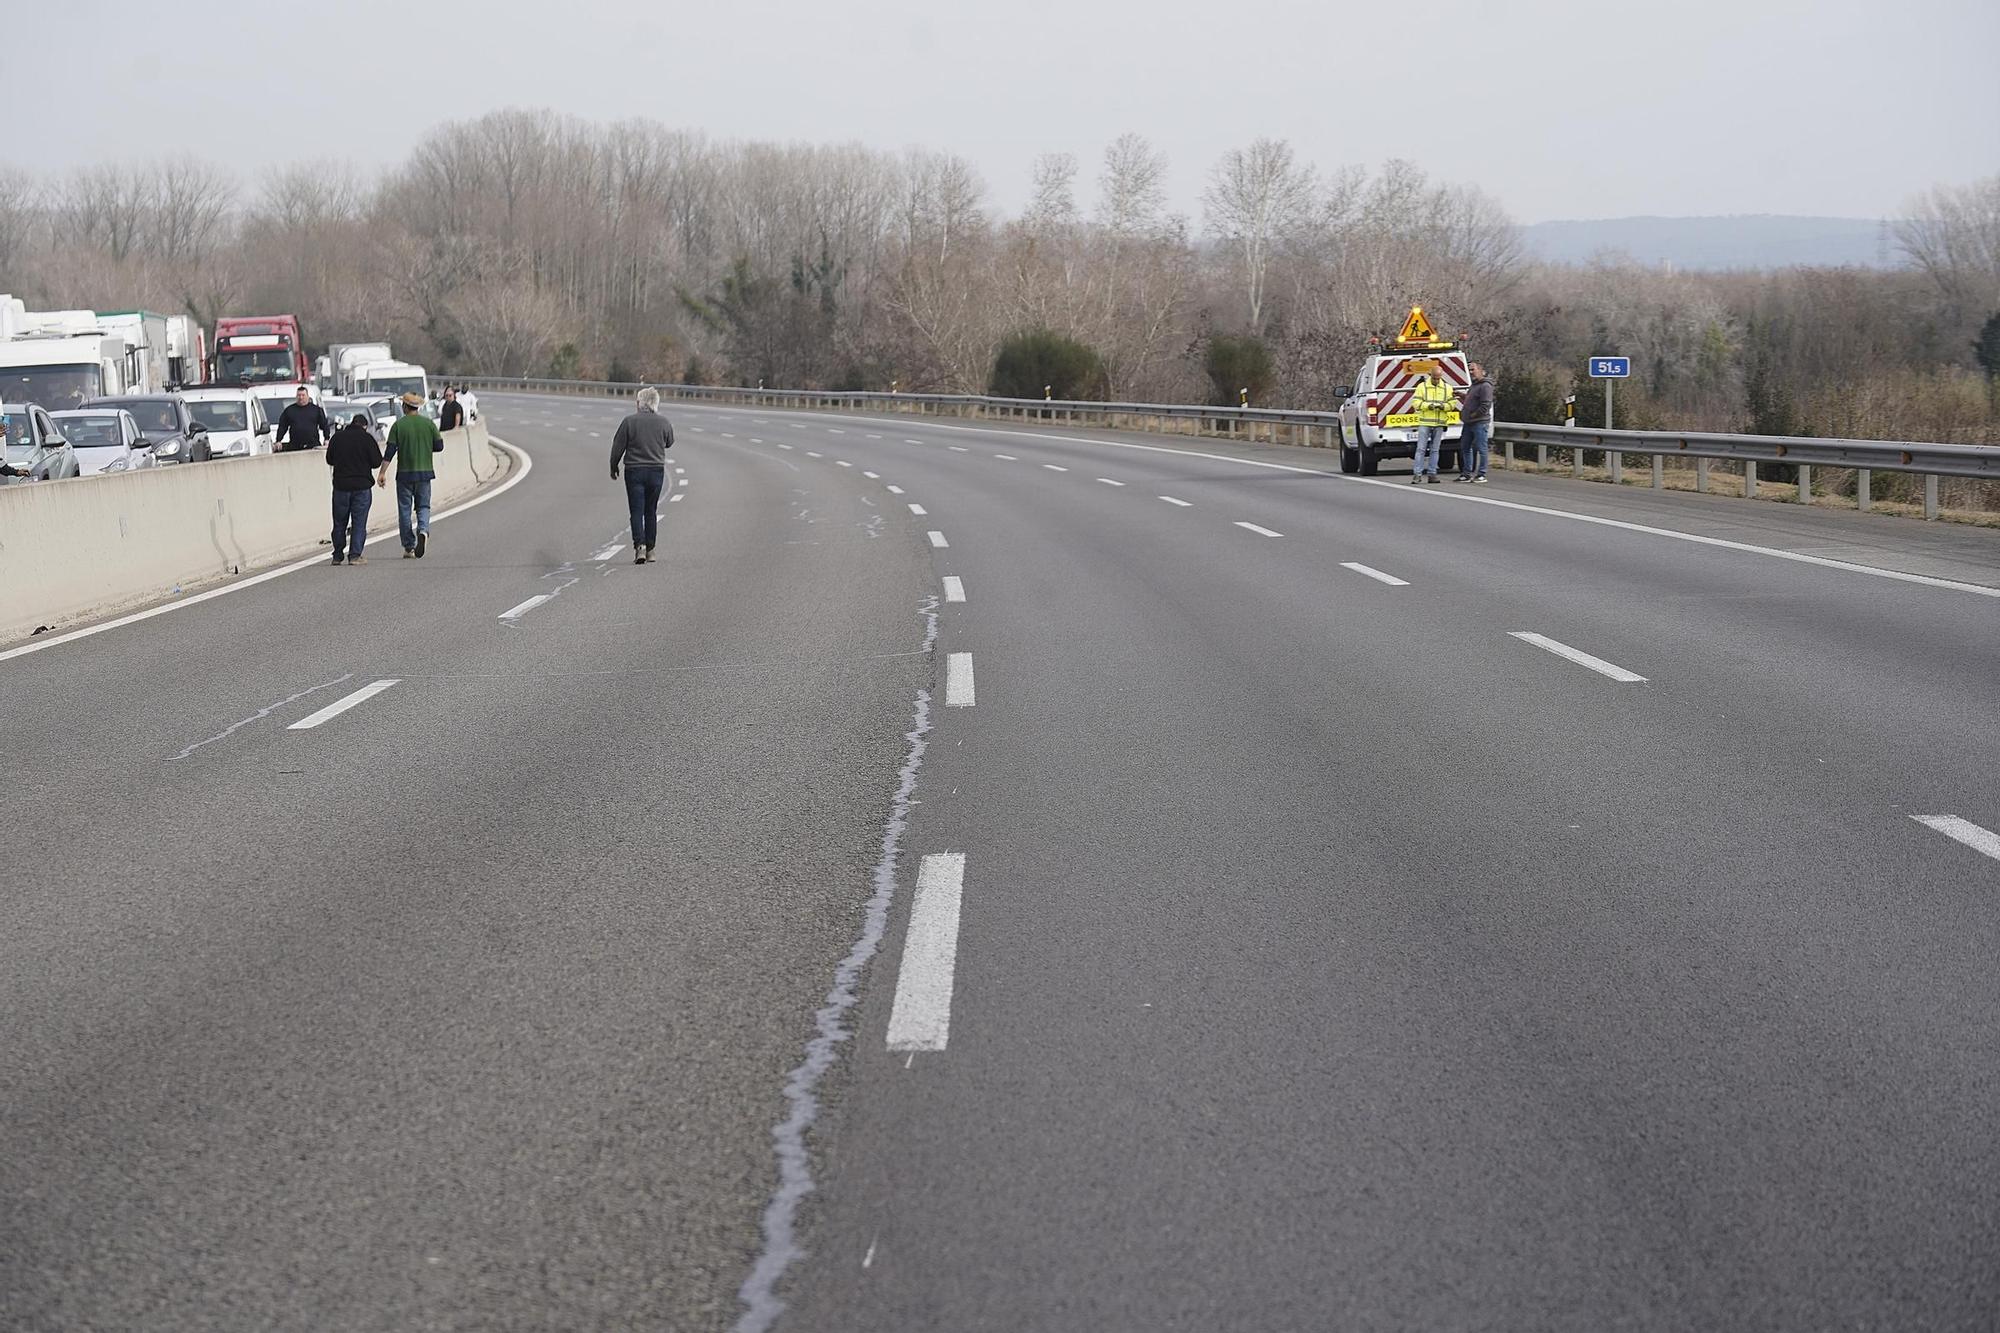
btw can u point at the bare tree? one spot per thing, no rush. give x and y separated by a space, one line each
1953 235
1255 198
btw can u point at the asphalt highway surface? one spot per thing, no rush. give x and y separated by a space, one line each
986 877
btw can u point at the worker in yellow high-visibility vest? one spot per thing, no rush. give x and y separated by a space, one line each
1433 403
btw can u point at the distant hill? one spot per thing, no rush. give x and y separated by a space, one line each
1761 240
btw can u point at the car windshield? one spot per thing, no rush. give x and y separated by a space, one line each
275 404
263 367
396 385
154 418
93 430
54 387
222 414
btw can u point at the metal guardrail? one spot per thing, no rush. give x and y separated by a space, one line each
1321 430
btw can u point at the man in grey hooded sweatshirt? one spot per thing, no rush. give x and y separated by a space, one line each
641 444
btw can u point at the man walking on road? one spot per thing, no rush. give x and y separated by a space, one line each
1477 430
353 455
303 424
452 415
1432 404
641 444
412 447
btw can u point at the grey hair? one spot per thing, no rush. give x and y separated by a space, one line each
648 399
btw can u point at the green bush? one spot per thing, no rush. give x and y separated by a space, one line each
1530 396
1038 357
1238 363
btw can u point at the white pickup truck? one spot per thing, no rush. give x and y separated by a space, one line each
1377 417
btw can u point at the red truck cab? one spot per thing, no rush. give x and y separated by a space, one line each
260 349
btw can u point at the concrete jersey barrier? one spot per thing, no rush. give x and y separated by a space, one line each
95 545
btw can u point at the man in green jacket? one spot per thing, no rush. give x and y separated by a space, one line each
411 447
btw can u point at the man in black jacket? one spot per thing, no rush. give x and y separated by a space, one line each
1477 428
303 423
353 455
452 415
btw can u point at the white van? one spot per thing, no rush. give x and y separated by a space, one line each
237 426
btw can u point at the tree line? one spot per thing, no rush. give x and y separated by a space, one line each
525 242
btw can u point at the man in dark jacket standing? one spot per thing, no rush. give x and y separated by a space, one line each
303 425
452 415
1476 431
353 455
641 444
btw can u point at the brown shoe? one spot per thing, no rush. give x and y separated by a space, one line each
358 560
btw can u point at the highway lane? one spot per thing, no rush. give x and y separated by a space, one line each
470 1006
1325 955
1624 1009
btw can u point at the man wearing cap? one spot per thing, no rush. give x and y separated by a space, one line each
412 442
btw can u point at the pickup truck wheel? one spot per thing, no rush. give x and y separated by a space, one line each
1350 459
1366 458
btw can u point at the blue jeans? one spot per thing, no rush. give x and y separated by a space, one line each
413 499
642 492
1428 440
1473 449
351 508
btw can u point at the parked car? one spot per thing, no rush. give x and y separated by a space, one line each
167 425
106 439
237 427
35 446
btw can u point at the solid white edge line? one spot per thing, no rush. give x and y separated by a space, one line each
517 612
937 539
918 510
958 691
920 1019
1576 655
520 455
1254 528
954 588
1184 504
341 705
1981 840
1374 573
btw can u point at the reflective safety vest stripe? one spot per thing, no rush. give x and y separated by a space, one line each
1433 403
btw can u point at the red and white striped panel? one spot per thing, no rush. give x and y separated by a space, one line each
1396 384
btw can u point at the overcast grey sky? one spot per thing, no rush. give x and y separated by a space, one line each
1561 109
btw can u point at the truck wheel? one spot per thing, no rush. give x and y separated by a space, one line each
1350 459
1366 459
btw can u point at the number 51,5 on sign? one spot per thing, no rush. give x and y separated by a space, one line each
1611 367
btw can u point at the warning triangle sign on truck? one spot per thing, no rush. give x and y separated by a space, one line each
1417 329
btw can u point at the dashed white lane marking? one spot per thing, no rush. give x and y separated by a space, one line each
937 539
1254 528
784 446
595 436
609 551
1374 573
682 472
954 588
873 436
918 510
958 448
842 462
832 431
1182 503
1007 458
813 453
515 613
895 490
912 441
920 1019
572 430
341 705
676 497
872 476
755 440
1984 841
1576 655
958 691
1055 467
1108 482
727 436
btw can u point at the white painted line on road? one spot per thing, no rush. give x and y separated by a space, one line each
872 476
918 510
958 448
841 462
1108 482
1182 503
958 680
682 472
609 551
937 539
1576 655
1007 458
954 588
1375 573
595 436
341 705
755 440
784 446
1054 468
895 490
912 441
920 1019
316 560
873 436
813 453
831 431
727 436
1984 841
1254 528
676 497
517 612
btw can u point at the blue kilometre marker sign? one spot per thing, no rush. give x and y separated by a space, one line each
1611 367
